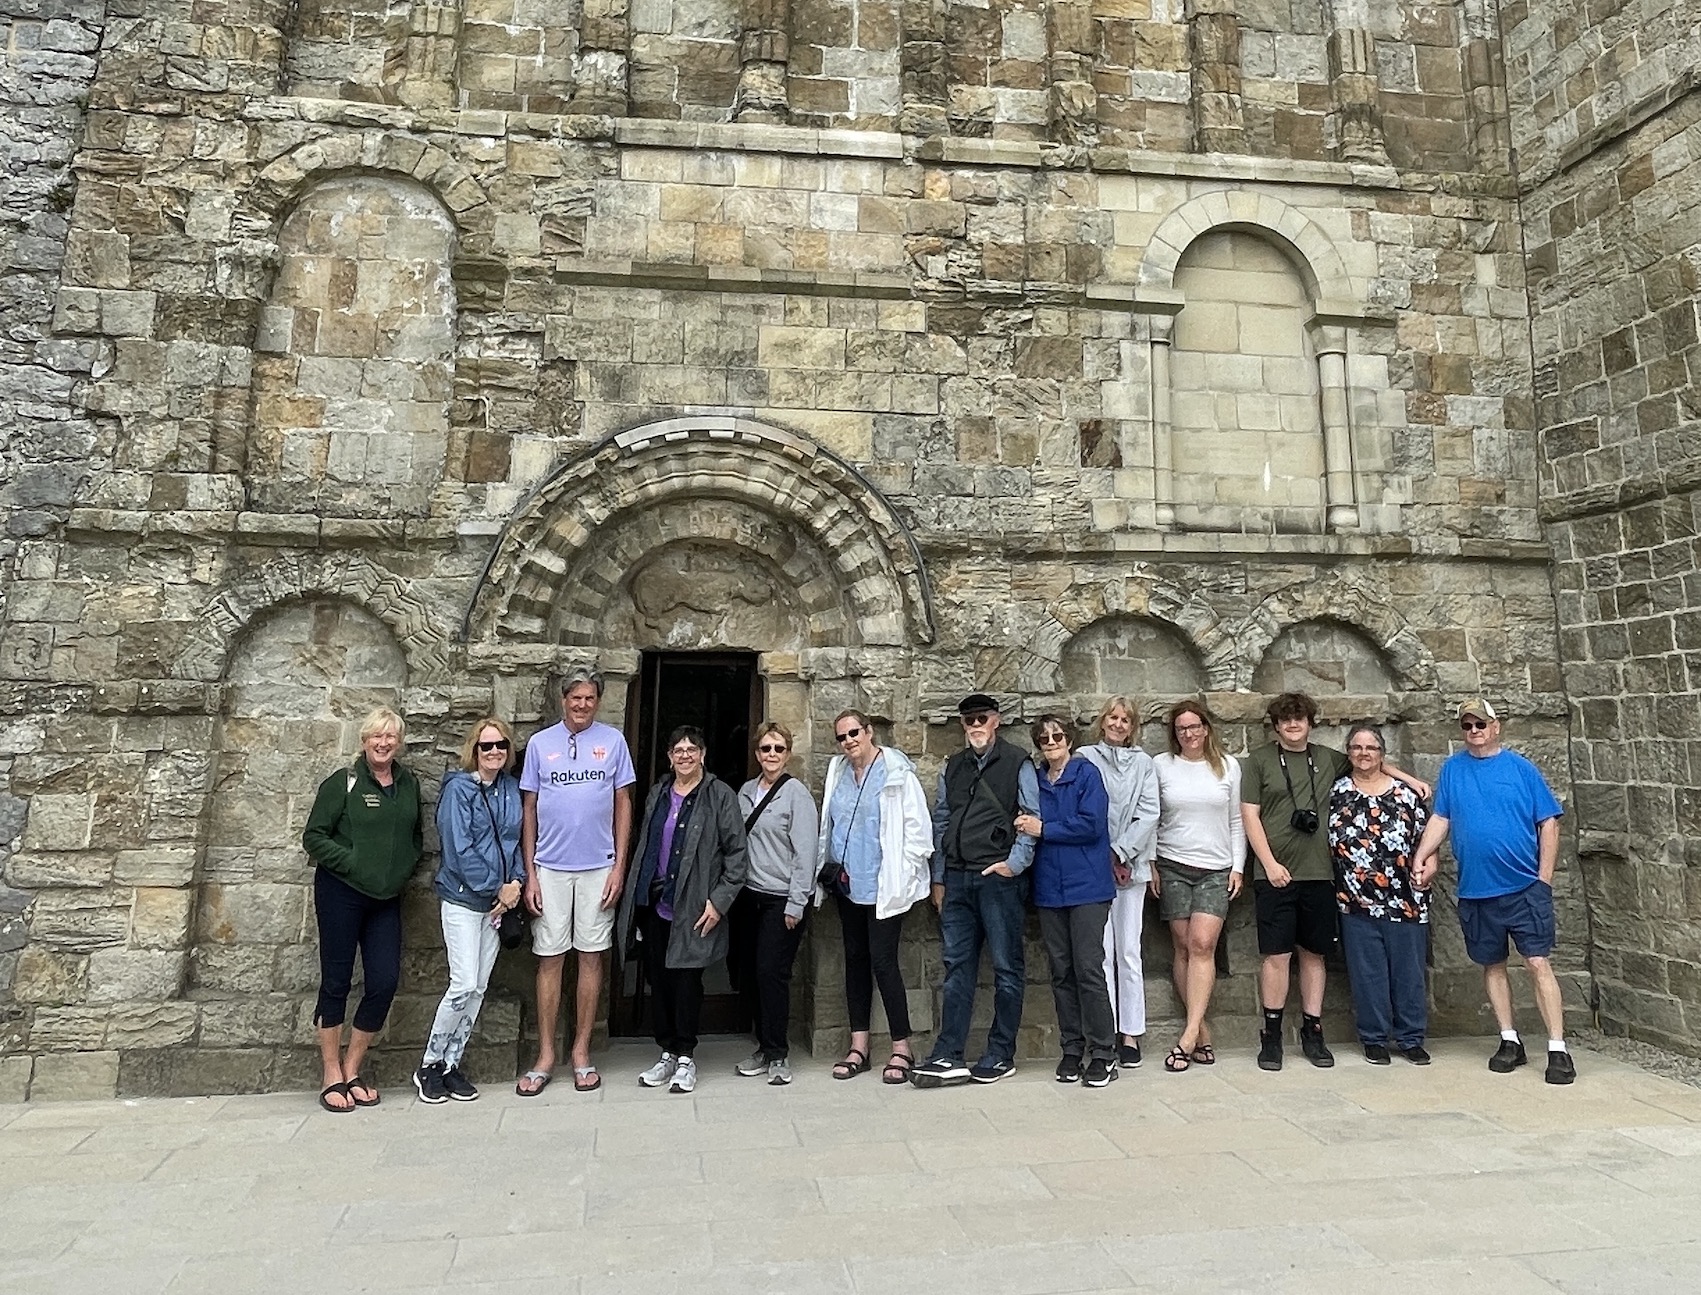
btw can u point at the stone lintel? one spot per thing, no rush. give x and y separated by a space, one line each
1612 496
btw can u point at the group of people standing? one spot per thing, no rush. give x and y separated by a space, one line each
1344 846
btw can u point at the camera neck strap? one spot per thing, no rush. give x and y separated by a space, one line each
1311 768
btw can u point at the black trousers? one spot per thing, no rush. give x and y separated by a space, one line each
349 922
1074 945
676 993
871 958
761 957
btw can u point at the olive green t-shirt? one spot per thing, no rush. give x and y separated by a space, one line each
1312 772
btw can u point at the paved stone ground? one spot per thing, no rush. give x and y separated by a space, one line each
1227 1179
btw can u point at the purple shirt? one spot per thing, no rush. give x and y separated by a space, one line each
675 801
575 776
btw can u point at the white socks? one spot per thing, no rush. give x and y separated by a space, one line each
1511 1036
1556 1045
1553 1045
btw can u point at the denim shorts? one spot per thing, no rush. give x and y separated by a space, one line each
1185 891
1525 917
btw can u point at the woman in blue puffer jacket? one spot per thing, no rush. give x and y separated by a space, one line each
480 878
1073 889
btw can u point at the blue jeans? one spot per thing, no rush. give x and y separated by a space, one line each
1386 962
981 910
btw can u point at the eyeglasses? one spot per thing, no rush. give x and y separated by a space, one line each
685 752
768 748
1052 739
1360 748
975 721
1473 725
1181 729
501 744
847 735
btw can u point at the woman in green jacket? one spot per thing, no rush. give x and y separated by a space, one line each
365 836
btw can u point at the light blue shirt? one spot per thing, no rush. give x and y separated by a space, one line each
1027 802
853 828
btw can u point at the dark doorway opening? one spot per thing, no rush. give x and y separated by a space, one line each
720 693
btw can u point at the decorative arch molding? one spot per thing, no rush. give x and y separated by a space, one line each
871 553
283 181
206 650
1343 600
1314 252
1040 669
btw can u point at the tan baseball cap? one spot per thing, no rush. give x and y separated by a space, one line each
1477 706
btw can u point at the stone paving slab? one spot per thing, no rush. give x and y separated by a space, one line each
1446 1179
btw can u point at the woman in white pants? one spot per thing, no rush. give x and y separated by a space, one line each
1132 781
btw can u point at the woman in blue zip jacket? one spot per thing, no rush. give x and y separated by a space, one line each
1073 889
480 878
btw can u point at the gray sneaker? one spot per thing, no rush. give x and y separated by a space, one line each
779 1071
753 1065
684 1076
661 1072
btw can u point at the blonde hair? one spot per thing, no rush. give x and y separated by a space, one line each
383 720
1118 702
469 748
1213 748
768 726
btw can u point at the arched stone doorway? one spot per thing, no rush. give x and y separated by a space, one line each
719 538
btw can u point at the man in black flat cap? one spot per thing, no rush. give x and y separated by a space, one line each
978 860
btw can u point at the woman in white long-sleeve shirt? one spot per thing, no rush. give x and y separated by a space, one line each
1201 854
1132 782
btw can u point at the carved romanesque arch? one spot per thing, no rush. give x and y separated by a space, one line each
1347 601
206 649
872 556
1186 611
1313 250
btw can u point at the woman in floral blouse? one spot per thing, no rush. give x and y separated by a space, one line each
1375 823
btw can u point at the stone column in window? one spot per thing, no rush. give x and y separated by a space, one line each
1073 102
764 49
1213 44
428 78
1160 330
1340 495
1355 119
604 59
922 64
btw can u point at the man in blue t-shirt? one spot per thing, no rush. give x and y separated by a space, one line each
1505 827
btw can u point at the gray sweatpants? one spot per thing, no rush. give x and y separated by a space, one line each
1074 945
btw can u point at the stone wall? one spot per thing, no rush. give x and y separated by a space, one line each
1611 210
427 376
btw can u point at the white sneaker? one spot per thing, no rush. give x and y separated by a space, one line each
779 1071
661 1072
684 1076
753 1065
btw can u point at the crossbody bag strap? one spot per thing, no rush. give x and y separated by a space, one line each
762 804
495 827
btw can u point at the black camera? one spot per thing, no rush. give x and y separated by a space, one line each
1303 820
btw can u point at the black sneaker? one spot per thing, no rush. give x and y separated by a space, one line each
1415 1054
1069 1070
1508 1057
1269 1049
938 1073
459 1086
429 1081
1316 1051
1560 1068
983 1072
1128 1056
1377 1054
1100 1073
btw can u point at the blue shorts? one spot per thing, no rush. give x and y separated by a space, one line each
1526 916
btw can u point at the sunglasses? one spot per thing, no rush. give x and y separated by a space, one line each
768 748
500 744
847 735
975 721
1052 739
1473 725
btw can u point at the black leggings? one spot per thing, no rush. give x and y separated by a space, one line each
871 957
676 993
349 920
765 950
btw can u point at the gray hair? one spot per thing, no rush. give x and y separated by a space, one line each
1356 729
579 675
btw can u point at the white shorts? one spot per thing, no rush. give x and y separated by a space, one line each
573 916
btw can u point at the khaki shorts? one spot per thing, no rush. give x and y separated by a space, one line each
1186 891
573 916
